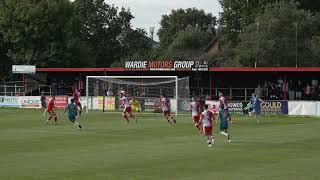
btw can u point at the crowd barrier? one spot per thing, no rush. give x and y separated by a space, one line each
295 108
94 103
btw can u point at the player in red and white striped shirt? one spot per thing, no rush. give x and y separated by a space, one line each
124 102
165 106
51 113
76 96
194 107
206 119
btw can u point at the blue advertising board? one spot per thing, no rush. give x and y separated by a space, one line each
273 107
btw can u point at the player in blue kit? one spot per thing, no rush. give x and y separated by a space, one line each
73 114
255 106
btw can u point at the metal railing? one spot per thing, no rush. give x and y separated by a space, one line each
243 94
11 90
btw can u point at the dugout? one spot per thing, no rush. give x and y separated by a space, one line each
237 83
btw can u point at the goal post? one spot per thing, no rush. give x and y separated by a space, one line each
147 89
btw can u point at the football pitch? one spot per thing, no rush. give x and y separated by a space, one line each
279 149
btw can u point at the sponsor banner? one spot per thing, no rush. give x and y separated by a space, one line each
167 65
234 107
10 101
273 107
237 107
59 102
152 104
30 102
23 69
184 105
173 105
318 109
303 108
109 103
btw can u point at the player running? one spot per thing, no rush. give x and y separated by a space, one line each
194 107
223 116
135 105
76 96
206 119
124 102
255 105
72 114
165 106
51 113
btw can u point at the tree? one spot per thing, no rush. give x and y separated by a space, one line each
105 28
180 19
190 38
271 39
237 14
41 32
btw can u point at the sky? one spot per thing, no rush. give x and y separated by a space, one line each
148 13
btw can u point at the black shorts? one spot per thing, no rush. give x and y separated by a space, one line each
44 104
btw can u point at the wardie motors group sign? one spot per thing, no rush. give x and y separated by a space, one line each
167 65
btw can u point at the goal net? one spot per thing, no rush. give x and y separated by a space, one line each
105 90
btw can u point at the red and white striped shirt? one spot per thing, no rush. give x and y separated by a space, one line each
206 118
195 108
124 102
165 104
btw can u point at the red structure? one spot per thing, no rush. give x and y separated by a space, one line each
211 80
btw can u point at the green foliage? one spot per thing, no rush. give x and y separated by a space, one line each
180 19
60 33
105 28
271 39
191 38
42 32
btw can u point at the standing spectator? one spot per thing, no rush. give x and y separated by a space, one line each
258 91
314 92
307 92
96 88
291 90
280 88
265 90
314 82
54 87
299 90
61 86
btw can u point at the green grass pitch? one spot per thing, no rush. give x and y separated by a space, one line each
279 149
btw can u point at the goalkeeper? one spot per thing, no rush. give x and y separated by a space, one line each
135 105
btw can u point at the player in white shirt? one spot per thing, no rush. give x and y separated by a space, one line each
206 119
223 116
124 102
194 107
165 106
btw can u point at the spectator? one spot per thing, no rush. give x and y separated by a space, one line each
299 90
61 86
314 92
96 88
307 92
265 90
314 82
258 91
291 90
54 87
